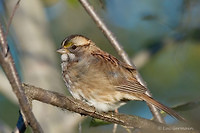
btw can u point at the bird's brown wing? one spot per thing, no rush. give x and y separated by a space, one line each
131 87
125 81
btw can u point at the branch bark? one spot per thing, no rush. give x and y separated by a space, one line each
75 105
108 34
8 66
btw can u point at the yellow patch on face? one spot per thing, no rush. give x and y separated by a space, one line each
68 45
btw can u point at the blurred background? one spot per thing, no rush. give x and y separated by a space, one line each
161 37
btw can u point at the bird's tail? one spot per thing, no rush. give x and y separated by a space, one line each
162 107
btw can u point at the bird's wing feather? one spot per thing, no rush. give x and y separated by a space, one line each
131 87
126 80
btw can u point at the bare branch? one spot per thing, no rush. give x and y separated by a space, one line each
108 34
3 42
9 68
82 108
11 18
75 105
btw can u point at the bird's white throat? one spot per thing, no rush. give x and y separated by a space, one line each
64 57
67 57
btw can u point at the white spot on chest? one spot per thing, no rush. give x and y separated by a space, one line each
64 57
67 57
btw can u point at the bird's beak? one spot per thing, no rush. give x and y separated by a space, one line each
62 51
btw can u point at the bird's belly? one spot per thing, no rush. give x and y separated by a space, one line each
99 95
101 102
105 106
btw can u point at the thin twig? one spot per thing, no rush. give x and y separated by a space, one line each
9 68
119 49
11 18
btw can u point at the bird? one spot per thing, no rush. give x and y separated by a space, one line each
100 79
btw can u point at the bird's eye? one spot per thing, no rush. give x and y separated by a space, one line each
73 47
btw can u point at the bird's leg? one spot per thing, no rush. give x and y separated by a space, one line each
115 125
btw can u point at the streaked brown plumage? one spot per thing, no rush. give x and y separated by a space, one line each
100 79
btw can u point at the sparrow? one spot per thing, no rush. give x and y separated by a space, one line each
100 79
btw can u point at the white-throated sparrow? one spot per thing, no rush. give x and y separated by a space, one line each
100 79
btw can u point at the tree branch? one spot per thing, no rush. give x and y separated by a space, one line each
8 66
108 34
75 105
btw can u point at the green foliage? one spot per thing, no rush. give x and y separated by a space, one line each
73 2
8 111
